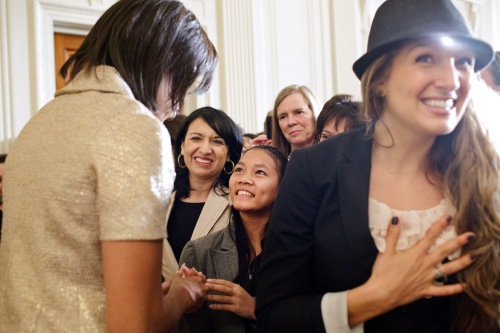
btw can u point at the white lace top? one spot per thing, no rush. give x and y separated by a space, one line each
414 224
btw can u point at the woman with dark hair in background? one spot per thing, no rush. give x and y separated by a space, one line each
231 258
89 177
207 148
341 113
375 229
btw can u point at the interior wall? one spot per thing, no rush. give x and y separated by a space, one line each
264 45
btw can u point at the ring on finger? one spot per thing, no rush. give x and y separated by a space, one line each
440 278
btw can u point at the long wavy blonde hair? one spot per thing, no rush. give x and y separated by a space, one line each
467 163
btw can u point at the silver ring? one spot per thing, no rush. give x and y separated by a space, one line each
440 279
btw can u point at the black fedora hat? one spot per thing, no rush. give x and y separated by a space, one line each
398 21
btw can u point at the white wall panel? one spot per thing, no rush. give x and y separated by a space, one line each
291 45
348 45
264 45
489 18
205 11
238 62
16 92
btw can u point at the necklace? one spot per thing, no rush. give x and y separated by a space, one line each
391 172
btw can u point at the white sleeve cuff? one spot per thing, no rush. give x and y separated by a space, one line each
334 313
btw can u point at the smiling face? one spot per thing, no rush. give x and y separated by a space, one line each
205 152
296 121
254 183
428 87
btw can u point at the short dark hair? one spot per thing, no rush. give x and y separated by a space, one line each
224 126
2 158
145 41
341 107
251 136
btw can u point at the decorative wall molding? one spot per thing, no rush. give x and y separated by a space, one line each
326 69
347 45
273 45
6 126
48 17
368 8
205 12
320 56
238 62
96 2
264 46
471 9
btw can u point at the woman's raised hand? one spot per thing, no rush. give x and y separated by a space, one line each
400 278
261 140
235 298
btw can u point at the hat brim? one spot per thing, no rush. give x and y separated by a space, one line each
484 52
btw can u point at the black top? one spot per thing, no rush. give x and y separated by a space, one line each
249 282
181 224
318 241
1 218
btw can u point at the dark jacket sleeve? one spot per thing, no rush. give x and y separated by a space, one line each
286 301
199 321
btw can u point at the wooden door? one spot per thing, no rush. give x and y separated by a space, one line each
64 46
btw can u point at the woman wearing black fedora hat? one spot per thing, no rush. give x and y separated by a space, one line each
376 229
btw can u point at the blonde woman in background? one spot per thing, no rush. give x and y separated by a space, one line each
293 120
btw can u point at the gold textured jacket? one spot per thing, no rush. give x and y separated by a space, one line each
92 165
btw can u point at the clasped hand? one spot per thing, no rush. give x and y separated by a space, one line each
191 287
235 299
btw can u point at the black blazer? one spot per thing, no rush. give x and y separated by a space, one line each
318 241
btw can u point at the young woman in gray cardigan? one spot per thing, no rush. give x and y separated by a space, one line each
230 258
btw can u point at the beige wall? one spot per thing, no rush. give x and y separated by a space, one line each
264 46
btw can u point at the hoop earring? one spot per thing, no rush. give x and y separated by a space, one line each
231 170
179 161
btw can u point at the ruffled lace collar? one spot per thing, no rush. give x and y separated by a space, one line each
414 225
